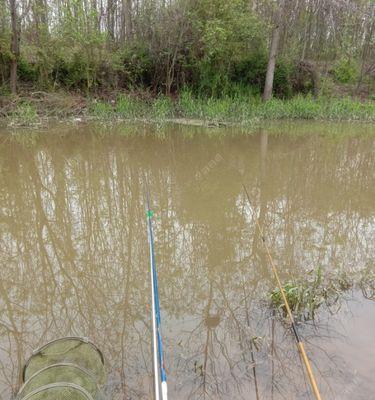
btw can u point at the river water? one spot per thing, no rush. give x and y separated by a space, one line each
74 254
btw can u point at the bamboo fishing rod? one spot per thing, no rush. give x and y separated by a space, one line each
300 344
157 342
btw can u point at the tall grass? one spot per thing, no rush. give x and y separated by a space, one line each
162 108
238 108
242 108
24 114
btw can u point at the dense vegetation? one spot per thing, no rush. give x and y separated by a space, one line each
208 48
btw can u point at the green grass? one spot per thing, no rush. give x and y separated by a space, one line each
240 109
162 108
24 114
306 296
101 110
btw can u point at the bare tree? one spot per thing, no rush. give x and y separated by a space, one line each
267 93
15 46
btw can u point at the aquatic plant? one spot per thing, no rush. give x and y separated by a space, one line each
305 296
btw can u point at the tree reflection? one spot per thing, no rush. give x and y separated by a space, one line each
73 251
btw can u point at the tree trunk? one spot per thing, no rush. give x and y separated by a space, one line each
110 20
128 19
15 46
365 52
267 93
311 69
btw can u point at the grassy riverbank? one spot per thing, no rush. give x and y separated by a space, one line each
238 109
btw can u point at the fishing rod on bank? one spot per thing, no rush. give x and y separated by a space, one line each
300 344
157 342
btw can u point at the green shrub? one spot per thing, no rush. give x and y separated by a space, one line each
327 86
134 65
74 71
213 80
345 71
5 90
251 71
26 71
285 72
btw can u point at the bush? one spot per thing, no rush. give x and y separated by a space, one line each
327 86
26 71
345 71
74 71
251 71
285 72
133 66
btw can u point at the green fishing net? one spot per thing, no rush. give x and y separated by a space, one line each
59 391
65 369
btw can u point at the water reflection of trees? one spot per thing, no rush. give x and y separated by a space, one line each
74 253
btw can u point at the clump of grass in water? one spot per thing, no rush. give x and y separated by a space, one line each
306 296
24 114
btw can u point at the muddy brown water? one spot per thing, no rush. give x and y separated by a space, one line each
74 254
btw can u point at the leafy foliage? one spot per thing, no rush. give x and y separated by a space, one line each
215 48
345 71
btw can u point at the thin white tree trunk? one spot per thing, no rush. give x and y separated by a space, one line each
15 47
268 86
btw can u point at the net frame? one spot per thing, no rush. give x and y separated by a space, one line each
95 377
60 385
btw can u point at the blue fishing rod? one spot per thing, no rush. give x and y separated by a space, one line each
157 342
